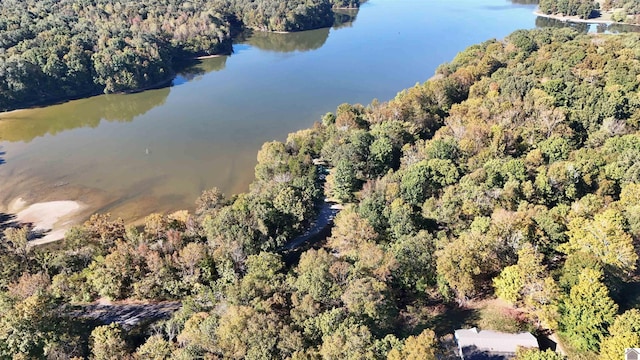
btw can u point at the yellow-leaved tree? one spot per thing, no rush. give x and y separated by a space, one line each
605 238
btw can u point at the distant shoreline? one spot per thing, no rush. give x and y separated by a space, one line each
576 19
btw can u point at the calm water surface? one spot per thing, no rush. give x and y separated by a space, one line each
157 150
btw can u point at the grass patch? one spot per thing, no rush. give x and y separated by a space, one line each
503 319
573 353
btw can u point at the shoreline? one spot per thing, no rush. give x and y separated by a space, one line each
208 56
576 19
157 85
58 101
49 218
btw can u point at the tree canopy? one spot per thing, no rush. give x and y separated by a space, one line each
513 173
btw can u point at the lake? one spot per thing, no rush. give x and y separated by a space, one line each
156 150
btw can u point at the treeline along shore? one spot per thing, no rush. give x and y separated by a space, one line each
57 50
592 11
511 174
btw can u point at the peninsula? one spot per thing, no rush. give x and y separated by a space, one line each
111 46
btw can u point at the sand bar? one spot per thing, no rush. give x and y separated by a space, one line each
52 217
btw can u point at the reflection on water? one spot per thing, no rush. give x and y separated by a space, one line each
297 41
618 28
344 18
289 42
25 125
525 2
198 68
542 21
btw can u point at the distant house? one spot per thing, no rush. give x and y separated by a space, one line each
474 344
632 354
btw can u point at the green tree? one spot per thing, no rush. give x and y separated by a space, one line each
587 312
263 278
527 283
509 284
350 232
155 348
313 276
383 156
343 181
423 179
16 240
462 270
535 354
349 342
605 238
416 269
623 333
245 333
27 326
114 275
198 333
107 343
369 297
420 347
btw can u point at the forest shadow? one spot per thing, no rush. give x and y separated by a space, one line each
452 319
546 343
11 221
7 221
631 298
316 241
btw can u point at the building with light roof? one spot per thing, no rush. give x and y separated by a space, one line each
474 344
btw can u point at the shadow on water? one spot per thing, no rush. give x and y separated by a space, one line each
620 28
2 153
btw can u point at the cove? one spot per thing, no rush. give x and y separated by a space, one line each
156 150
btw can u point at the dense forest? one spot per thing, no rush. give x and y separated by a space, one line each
624 11
581 8
512 173
64 49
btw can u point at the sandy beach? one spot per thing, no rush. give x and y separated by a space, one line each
208 56
53 218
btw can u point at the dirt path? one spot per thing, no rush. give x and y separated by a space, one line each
324 219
